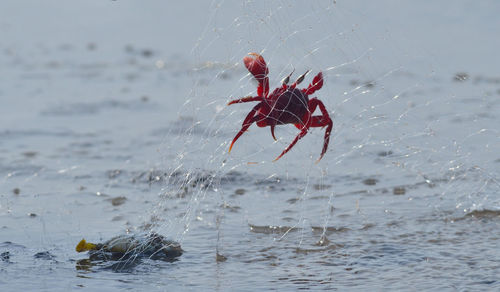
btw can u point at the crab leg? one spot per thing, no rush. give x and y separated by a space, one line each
249 120
321 121
246 99
272 126
299 136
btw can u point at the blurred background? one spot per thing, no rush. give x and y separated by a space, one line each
113 120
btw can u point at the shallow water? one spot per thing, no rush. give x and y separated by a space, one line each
100 137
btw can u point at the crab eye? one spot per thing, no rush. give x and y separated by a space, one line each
301 77
287 79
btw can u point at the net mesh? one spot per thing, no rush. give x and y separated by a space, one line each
412 132
397 118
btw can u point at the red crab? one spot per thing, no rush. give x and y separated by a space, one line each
285 105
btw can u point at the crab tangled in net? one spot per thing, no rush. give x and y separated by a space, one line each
284 105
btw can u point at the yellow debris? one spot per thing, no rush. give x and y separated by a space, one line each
85 246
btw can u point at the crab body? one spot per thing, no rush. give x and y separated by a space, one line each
284 105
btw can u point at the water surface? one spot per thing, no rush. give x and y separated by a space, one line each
121 129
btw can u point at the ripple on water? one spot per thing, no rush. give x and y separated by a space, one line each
44 255
270 229
484 215
93 108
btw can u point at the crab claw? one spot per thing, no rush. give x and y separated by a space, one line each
316 84
258 67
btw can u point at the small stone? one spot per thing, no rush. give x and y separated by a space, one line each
117 201
321 187
370 84
5 256
370 181
385 153
147 53
240 192
30 154
16 191
220 258
461 76
399 191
